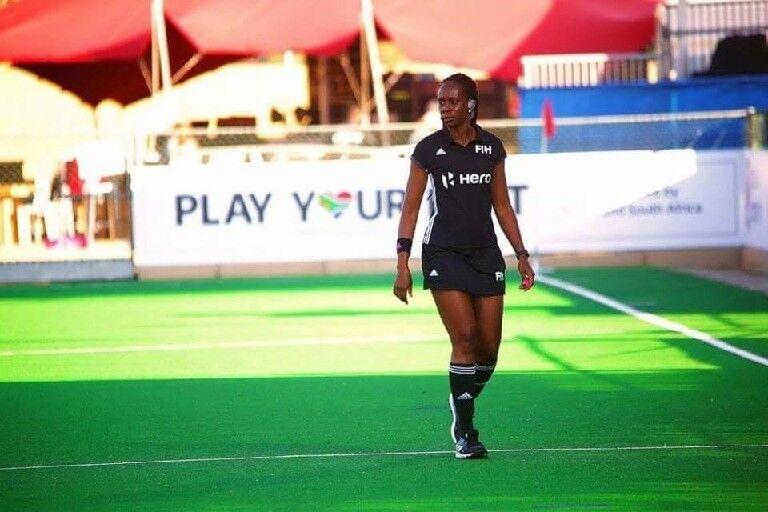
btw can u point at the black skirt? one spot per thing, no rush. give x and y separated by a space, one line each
477 271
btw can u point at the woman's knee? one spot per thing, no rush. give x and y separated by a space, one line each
487 350
464 338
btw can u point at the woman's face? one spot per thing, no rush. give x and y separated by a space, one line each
453 105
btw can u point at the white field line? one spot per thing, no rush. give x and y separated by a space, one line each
179 347
578 290
653 319
383 454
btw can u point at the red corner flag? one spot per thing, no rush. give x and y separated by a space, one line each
548 119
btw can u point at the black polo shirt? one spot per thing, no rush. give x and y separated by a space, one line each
459 188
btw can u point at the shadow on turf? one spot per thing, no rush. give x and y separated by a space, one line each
66 422
658 290
693 349
650 289
72 422
342 312
195 286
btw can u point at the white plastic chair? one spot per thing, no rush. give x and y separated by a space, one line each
56 217
29 217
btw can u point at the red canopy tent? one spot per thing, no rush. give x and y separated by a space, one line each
101 49
492 35
88 46
255 27
44 31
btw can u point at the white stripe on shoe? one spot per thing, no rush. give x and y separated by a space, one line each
453 418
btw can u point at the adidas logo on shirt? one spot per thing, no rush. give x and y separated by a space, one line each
440 151
433 273
465 396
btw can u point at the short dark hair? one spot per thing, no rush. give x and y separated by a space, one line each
470 90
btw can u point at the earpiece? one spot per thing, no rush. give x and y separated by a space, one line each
471 104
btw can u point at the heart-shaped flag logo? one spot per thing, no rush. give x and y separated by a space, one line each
335 204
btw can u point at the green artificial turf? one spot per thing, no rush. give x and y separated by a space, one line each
242 369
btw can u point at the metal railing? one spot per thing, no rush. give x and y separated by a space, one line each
106 215
699 130
687 37
574 70
704 130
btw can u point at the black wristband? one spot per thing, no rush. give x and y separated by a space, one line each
521 253
404 245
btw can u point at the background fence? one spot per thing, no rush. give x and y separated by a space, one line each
695 130
102 212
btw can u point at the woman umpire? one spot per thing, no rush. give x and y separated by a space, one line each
461 261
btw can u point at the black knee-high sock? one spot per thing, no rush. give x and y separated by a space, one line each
462 380
483 374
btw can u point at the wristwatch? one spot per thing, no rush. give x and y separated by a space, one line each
522 253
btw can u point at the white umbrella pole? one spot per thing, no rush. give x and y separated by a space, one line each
375 59
161 42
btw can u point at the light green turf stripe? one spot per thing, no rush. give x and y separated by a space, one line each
654 319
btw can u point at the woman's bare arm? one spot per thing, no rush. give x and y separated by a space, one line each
508 222
414 191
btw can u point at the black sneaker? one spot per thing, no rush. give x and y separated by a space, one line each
469 447
454 420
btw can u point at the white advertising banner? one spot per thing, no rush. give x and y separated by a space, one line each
756 200
300 211
701 210
344 210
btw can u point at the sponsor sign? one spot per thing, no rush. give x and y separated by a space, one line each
344 210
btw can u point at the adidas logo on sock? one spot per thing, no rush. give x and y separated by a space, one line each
440 151
433 273
465 396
